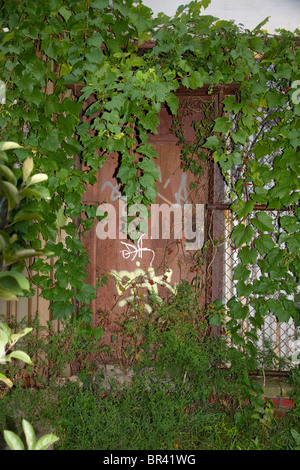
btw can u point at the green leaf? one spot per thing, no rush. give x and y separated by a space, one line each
11 193
222 124
215 319
97 333
65 69
126 173
39 192
30 252
263 222
3 156
242 234
96 40
38 178
296 436
22 281
7 294
29 434
240 136
243 290
61 218
275 257
86 294
242 208
146 180
149 168
9 145
262 23
22 356
27 168
8 174
230 104
241 273
257 44
66 14
248 256
14 283
116 102
275 99
150 193
283 70
20 334
26 215
2 351
264 243
6 329
195 80
61 309
213 143
149 121
113 338
4 338
7 381
279 311
290 223
100 4
35 96
149 151
237 310
46 441
173 103
50 49
13 441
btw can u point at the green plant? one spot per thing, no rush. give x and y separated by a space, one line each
7 342
72 347
19 202
56 353
42 443
155 413
264 415
20 192
296 437
188 391
174 343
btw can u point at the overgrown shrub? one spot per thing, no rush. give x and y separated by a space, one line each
188 391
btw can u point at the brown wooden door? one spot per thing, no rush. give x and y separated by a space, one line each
163 262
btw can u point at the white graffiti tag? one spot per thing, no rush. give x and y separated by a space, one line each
134 251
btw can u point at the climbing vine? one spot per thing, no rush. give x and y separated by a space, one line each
133 63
